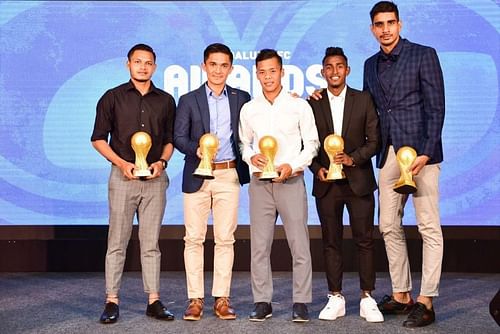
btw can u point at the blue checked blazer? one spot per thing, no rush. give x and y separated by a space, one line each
413 111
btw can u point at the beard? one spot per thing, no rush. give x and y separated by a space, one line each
141 80
388 42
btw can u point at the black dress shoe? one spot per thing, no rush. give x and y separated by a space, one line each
420 316
261 312
388 305
110 314
158 311
300 313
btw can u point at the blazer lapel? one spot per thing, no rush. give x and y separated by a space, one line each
326 111
398 70
346 118
233 108
375 82
201 99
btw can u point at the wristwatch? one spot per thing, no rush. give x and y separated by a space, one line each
164 163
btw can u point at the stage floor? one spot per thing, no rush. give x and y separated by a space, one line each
72 303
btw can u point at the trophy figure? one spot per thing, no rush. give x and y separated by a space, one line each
141 143
406 156
334 144
268 146
209 143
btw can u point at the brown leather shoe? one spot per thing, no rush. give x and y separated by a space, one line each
223 309
195 309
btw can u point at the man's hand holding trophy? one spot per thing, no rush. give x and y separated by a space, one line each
141 144
209 144
405 156
334 145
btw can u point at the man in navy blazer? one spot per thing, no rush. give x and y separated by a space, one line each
212 108
406 82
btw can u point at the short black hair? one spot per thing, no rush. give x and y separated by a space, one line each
384 7
217 48
265 54
334 51
142 47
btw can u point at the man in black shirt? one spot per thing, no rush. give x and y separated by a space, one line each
122 111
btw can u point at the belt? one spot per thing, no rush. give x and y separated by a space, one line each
224 165
299 173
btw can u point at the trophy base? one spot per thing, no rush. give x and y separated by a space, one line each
142 173
335 176
405 189
268 176
205 174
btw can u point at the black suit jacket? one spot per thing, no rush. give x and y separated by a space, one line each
361 134
193 120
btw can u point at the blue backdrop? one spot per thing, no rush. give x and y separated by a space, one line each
58 58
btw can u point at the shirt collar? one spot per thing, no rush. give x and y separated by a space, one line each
210 92
394 54
152 88
281 95
341 95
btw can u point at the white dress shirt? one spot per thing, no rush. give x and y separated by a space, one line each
289 120
337 108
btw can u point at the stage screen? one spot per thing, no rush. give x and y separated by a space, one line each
57 58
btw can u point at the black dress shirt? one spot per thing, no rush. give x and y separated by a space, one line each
122 111
386 64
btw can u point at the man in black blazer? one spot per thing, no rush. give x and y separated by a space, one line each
351 114
212 108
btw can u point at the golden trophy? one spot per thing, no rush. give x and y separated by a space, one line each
209 143
406 156
268 146
141 143
334 144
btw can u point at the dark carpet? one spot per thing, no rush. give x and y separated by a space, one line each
72 303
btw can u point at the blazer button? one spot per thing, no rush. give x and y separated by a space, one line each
389 110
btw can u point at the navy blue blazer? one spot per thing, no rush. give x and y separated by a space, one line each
413 111
360 131
192 120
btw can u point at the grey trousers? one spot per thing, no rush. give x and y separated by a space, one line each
391 208
147 199
289 200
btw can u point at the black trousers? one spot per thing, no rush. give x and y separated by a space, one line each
361 214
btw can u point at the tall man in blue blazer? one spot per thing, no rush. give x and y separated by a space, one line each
406 82
212 108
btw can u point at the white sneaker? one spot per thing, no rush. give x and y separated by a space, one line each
368 309
334 308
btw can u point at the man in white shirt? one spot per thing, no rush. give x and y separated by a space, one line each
291 122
